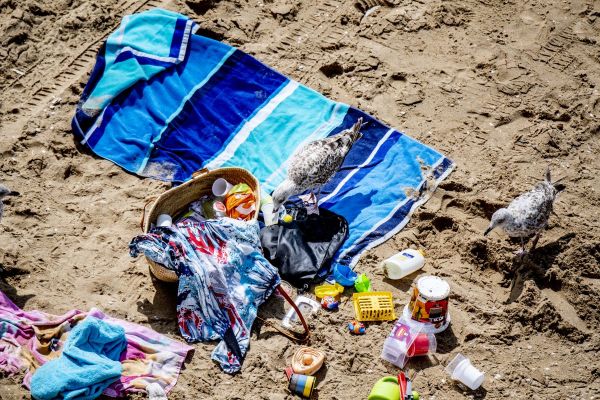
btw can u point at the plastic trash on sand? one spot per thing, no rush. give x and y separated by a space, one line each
461 369
306 306
406 340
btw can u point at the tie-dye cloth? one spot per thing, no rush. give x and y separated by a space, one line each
223 279
29 339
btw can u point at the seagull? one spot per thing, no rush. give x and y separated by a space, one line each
528 214
4 192
314 164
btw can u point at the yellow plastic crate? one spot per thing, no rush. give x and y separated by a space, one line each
374 306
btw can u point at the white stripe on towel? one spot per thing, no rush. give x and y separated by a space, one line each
185 39
241 135
390 216
355 170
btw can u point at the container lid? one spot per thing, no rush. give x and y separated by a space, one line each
433 287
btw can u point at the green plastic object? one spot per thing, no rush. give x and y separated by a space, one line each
415 395
362 283
386 389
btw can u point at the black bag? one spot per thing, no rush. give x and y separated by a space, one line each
302 250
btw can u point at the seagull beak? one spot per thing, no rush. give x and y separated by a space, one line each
488 230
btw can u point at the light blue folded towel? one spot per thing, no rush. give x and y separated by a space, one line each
88 364
143 46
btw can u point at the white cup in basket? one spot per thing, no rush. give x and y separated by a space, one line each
164 220
221 187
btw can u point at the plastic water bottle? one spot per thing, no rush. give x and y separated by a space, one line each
404 263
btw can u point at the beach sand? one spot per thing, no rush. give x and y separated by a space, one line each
504 88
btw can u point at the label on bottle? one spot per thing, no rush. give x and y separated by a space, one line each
402 332
408 255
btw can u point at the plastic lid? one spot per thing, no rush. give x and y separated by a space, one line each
422 252
433 288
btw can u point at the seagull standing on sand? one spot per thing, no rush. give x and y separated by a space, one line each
314 164
4 192
528 214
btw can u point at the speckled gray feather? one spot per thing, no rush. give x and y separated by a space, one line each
527 214
315 163
530 211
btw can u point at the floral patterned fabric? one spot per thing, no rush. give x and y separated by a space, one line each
223 278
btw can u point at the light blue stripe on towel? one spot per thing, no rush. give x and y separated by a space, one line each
370 200
137 120
267 149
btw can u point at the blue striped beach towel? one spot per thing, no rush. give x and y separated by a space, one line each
163 102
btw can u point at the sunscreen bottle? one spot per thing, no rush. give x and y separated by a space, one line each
404 263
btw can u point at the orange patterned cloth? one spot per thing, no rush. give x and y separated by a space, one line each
240 202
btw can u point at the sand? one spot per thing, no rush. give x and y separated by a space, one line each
505 88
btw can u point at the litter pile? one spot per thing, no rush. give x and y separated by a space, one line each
276 187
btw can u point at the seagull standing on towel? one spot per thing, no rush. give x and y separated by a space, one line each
4 192
528 214
314 164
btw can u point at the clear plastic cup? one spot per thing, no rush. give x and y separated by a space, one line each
406 340
461 369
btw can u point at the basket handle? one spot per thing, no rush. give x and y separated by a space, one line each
200 172
295 336
148 201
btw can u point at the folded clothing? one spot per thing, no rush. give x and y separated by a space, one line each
89 363
29 339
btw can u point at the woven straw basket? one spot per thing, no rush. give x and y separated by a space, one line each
177 199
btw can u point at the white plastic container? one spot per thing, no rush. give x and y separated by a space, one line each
404 263
461 369
269 216
221 187
306 306
164 220
429 303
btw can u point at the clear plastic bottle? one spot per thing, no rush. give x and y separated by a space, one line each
404 263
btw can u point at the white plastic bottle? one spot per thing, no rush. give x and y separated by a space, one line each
404 263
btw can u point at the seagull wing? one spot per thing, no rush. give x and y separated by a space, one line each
316 162
532 209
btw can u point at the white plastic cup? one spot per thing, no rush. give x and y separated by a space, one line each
221 187
269 216
164 220
461 369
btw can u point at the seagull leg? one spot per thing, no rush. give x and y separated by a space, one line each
522 252
318 194
535 240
